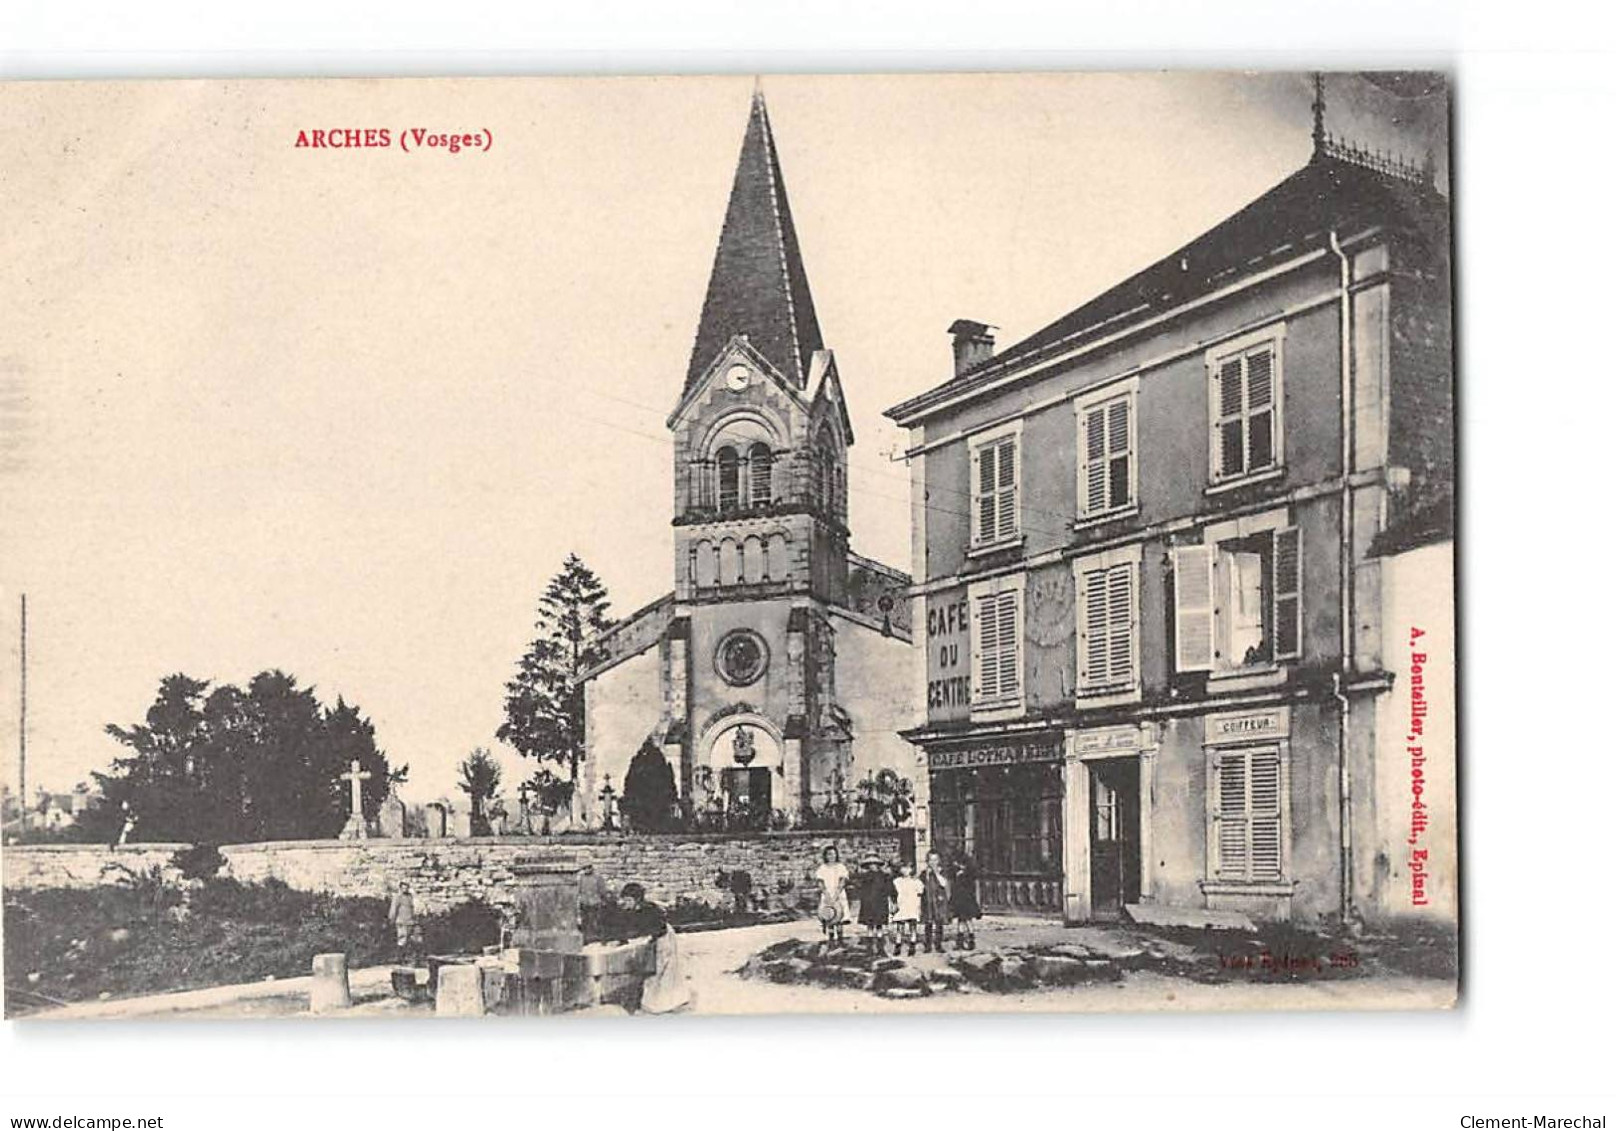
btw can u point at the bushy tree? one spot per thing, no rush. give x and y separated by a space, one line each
544 703
649 792
232 765
479 780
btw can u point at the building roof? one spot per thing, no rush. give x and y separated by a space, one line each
1341 189
758 285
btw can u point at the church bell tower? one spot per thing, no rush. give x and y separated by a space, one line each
761 433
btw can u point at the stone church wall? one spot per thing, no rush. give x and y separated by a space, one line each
445 873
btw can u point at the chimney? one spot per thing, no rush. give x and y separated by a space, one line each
973 344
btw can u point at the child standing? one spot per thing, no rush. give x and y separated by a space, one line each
964 904
876 895
934 899
906 916
833 878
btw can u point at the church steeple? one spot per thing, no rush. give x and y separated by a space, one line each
758 286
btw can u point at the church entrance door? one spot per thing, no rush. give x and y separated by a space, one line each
747 790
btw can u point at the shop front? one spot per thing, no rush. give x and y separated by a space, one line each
998 802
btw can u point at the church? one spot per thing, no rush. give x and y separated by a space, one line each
776 675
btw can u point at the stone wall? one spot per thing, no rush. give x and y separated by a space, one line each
82 865
444 873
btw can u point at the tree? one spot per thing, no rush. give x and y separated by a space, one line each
649 793
232 765
479 780
544 703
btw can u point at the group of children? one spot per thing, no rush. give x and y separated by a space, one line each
894 902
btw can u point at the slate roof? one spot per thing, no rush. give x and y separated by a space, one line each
758 285
1293 217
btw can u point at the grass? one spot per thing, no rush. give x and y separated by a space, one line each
146 937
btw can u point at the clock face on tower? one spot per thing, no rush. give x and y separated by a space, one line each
738 377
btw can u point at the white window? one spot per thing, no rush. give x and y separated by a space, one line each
1107 474
1248 814
1238 599
1245 397
996 642
1108 622
995 486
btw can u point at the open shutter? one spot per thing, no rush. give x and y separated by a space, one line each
1007 489
1192 595
1119 614
1229 815
1287 593
1264 813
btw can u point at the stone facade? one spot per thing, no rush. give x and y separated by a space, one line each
445 873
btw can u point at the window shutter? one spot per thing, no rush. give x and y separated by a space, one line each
984 513
1264 814
985 654
1230 815
1192 595
1094 493
1091 649
1119 590
1009 647
1007 489
1119 436
1228 433
1287 593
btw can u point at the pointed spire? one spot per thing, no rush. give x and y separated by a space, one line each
758 286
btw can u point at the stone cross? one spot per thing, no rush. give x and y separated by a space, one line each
355 828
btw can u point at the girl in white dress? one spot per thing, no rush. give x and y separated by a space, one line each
833 908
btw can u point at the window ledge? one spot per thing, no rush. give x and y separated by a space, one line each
995 708
1245 679
1276 889
1091 520
1224 485
983 549
1106 697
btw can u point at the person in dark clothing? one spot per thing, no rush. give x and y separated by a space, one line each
635 916
934 900
964 904
876 897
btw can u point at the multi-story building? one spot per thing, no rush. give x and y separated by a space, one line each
1155 546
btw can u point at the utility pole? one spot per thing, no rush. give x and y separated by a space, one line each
22 730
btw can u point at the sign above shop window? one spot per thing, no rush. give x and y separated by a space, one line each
1108 741
1000 752
1247 726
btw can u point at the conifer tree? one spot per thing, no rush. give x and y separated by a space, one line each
544 703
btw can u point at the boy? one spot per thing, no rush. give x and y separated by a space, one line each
906 918
876 894
934 900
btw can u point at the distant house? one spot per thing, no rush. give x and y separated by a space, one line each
1170 553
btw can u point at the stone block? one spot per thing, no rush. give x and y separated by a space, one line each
328 990
460 991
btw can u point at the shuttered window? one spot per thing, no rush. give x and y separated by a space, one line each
996 648
1248 814
1108 628
1245 412
1193 612
1238 604
1106 441
994 515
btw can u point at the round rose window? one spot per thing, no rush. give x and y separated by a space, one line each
742 657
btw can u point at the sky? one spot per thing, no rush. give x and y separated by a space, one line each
344 412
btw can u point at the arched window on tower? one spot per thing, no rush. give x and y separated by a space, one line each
826 472
760 462
729 479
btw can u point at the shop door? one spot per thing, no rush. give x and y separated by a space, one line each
1113 836
1007 821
